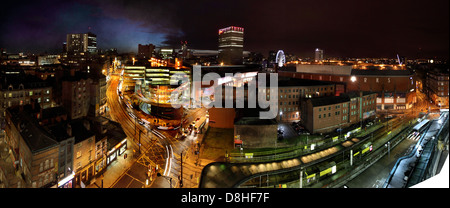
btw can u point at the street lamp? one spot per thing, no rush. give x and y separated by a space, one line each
388 145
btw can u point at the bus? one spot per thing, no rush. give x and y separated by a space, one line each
199 125
421 126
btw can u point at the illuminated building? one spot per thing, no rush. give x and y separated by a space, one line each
326 114
152 87
318 55
82 42
394 88
18 89
291 91
437 87
145 51
76 95
33 150
231 45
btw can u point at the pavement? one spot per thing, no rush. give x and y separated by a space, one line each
406 165
116 168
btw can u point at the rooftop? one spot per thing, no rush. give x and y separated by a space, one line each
255 121
354 94
331 100
287 82
35 136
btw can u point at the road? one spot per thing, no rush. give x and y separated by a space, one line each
376 175
160 150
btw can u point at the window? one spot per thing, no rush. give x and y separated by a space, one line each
41 167
320 116
78 154
46 164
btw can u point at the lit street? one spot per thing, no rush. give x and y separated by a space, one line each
159 148
249 98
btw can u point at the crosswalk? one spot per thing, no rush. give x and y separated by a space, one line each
415 136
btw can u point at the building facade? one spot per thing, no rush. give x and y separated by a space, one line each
81 42
33 150
327 114
18 90
437 87
76 96
231 45
291 91
318 55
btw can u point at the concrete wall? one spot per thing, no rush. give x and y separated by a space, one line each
257 136
222 117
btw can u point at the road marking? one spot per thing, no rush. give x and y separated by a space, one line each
133 179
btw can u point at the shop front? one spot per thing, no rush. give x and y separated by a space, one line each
66 182
116 151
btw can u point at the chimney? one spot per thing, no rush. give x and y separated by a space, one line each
87 125
69 130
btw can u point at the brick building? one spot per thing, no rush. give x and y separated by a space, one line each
394 88
326 114
437 87
33 150
76 97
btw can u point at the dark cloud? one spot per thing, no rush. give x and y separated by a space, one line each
342 28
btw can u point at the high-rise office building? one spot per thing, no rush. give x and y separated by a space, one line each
83 42
145 51
318 55
231 45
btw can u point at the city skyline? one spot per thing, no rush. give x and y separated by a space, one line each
224 94
344 29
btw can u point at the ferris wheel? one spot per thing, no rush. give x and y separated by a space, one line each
280 58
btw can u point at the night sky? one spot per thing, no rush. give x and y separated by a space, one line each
347 28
